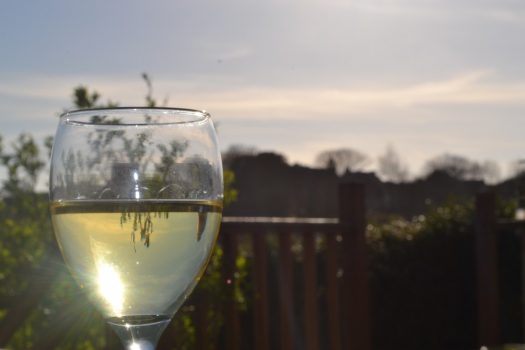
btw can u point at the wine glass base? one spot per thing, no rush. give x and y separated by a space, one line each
139 332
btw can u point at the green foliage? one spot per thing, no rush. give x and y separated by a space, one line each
63 320
150 101
423 278
26 244
230 193
23 164
83 98
24 224
24 228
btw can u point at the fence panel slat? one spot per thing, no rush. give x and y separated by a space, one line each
332 295
286 311
201 320
261 330
311 312
231 314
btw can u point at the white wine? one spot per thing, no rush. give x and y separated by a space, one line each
138 260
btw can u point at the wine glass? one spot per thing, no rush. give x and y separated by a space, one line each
136 201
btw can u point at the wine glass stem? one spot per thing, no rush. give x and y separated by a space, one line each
140 337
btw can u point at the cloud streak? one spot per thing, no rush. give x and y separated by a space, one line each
336 103
471 88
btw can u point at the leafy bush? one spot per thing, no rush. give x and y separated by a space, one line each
423 279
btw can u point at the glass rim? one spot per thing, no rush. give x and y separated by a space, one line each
84 116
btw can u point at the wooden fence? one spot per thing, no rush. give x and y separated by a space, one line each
346 298
345 305
488 227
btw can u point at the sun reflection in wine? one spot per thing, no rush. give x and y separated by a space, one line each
110 286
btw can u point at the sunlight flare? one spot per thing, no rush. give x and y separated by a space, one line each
110 286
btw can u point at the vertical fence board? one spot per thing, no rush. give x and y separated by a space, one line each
311 312
260 313
231 314
286 312
201 320
332 296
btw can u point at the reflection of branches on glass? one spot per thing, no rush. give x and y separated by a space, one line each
116 164
169 157
142 224
131 157
112 150
136 149
119 163
197 175
69 162
75 173
104 120
101 146
100 140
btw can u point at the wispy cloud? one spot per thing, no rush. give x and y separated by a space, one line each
504 15
498 11
234 54
472 88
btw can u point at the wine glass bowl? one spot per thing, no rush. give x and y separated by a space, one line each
136 200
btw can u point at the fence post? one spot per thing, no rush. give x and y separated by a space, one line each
352 216
487 270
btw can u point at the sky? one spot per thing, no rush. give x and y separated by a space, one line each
298 77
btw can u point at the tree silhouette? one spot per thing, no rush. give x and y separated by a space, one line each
390 166
518 168
236 151
344 159
462 168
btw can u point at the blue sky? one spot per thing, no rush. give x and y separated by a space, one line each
297 77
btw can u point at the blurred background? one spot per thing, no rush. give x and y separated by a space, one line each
420 101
